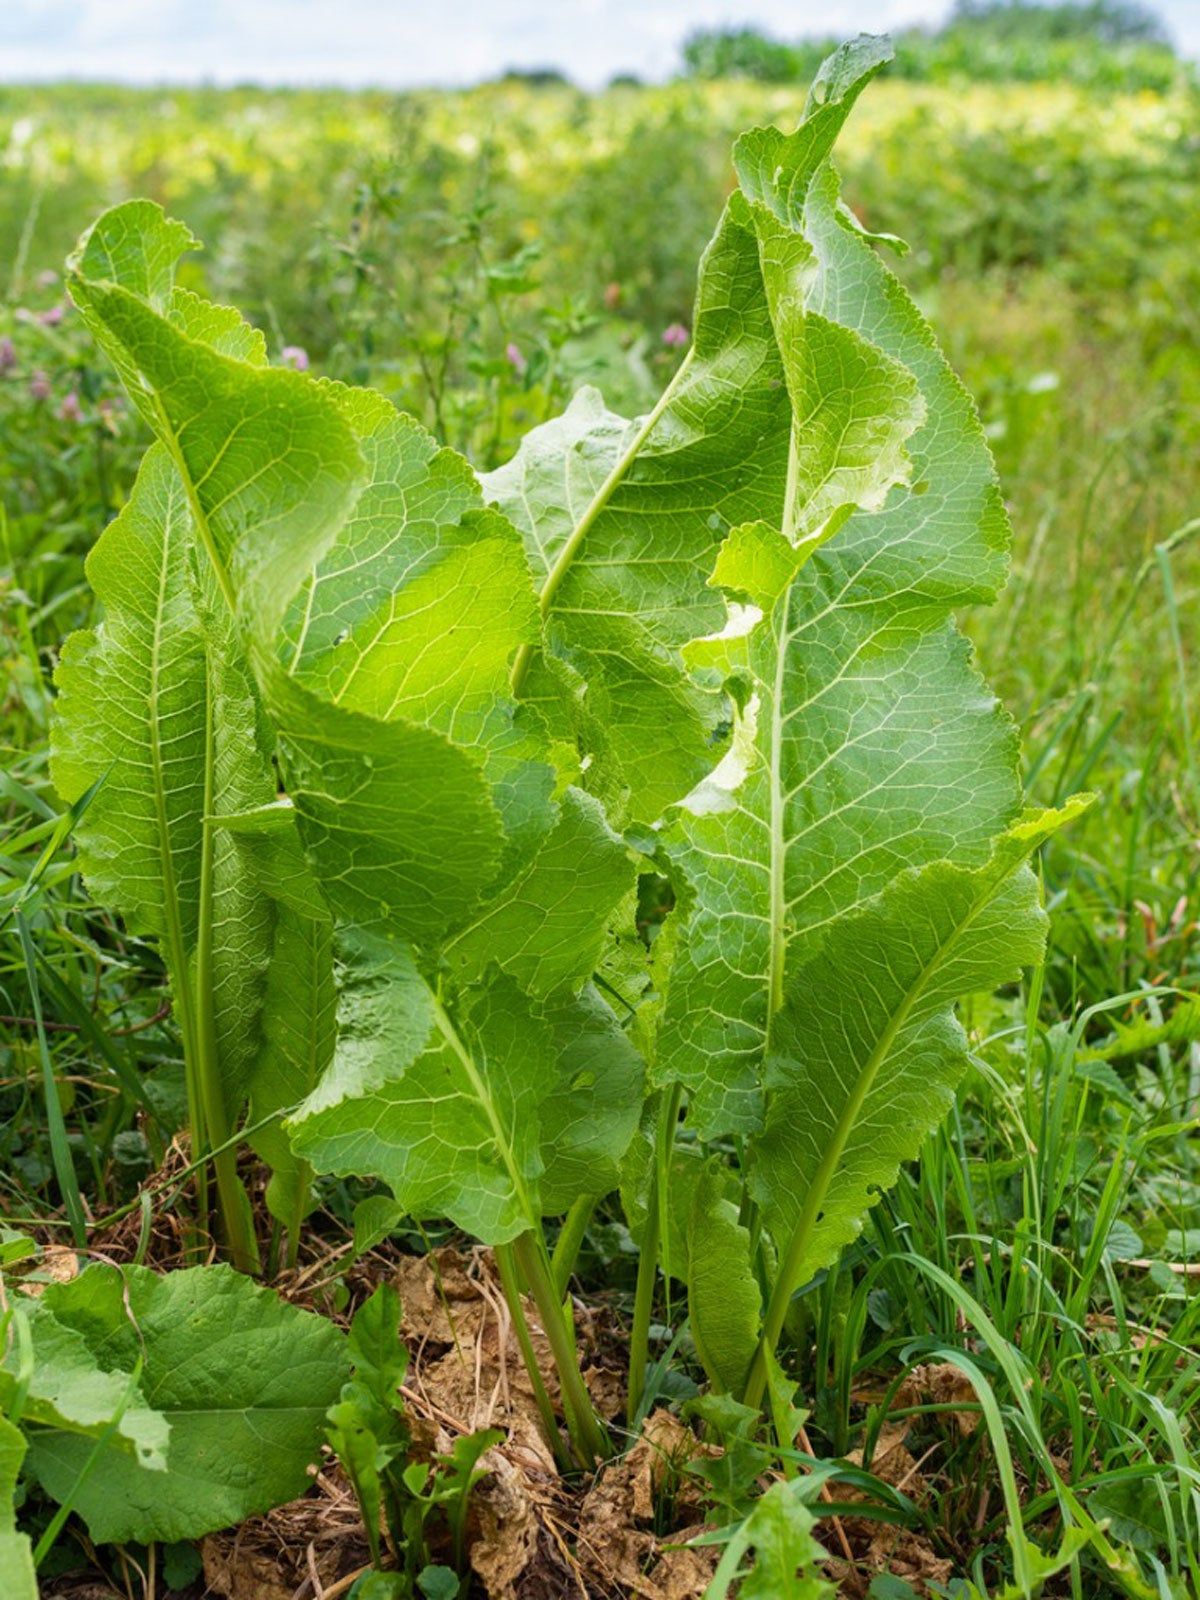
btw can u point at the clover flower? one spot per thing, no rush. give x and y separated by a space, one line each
676 336
294 356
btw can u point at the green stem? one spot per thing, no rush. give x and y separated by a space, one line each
509 1282
533 1262
295 1223
570 1240
271 1269
654 1235
562 562
643 1304
587 1432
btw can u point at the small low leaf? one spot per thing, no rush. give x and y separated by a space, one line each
787 1556
243 1379
374 1219
377 1353
69 1388
724 1303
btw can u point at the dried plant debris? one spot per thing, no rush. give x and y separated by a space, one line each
270 1557
933 1383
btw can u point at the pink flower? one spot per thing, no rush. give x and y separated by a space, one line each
676 336
47 279
515 359
294 356
71 410
39 386
52 318
8 354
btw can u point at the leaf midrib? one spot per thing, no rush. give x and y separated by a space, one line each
178 962
499 1132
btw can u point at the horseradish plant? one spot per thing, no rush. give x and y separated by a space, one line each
385 748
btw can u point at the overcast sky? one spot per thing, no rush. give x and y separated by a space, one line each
401 42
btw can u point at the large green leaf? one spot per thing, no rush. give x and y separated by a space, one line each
131 715
243 1379
269 466
547 925
450 1119
158 707
398 823
867 1051
591 1108
866 742
157 711
622 521
419 606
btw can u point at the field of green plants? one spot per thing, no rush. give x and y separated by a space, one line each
599 907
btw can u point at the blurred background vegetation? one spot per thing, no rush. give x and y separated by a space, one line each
1098 44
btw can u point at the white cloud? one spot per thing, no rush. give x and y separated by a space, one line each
399 42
